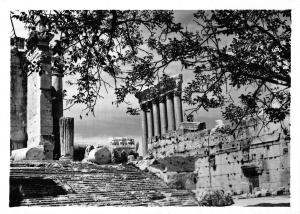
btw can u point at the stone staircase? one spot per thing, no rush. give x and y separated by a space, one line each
63 183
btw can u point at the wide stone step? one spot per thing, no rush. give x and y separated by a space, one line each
57 183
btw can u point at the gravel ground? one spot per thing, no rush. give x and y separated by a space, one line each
276 201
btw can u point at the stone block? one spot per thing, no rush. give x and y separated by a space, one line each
99 155
30 153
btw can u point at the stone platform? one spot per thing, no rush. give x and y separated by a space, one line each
65 183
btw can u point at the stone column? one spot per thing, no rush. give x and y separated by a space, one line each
18 94
163 115
66 125
156 117
39 97
170 112
178 108
177 100
145 131
57 102
149 122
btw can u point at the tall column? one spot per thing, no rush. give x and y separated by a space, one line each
57 102
149 122
145 131
178 109
177 101
163 115
18 95
66 125
156 118
39 98
170 112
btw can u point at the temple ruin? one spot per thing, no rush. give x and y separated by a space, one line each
161 109
36 98
185 155
254 157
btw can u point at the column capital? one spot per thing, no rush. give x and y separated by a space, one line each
149 104
162 99
58 66
170 95
177 93
42 37
155 100
57 74
143 106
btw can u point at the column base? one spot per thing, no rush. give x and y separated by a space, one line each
66 158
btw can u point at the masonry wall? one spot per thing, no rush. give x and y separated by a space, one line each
254 157
18 100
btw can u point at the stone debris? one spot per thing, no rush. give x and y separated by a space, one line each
130 158
264 193
30 153
61 183
173 176
99 155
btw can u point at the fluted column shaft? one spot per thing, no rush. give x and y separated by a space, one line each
156 117
145 132
66 125
150 122
163 116
57 110
178 109
170 113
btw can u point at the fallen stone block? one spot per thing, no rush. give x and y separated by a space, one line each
280 191
265 192
99 155
30 153
258 194
130 158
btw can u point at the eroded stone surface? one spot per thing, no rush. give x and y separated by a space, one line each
86 184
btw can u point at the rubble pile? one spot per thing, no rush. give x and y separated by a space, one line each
257 192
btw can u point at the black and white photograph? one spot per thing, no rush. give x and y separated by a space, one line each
113 107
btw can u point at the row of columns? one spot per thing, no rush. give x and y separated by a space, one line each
160 116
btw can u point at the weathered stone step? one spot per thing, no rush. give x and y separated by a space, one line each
61 184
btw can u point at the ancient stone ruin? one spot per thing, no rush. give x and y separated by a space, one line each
185 155
253 158
37 101
161 109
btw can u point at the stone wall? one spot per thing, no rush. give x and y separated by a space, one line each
18 100
253 157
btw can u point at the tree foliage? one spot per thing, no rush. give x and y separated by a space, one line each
95 43
243 53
